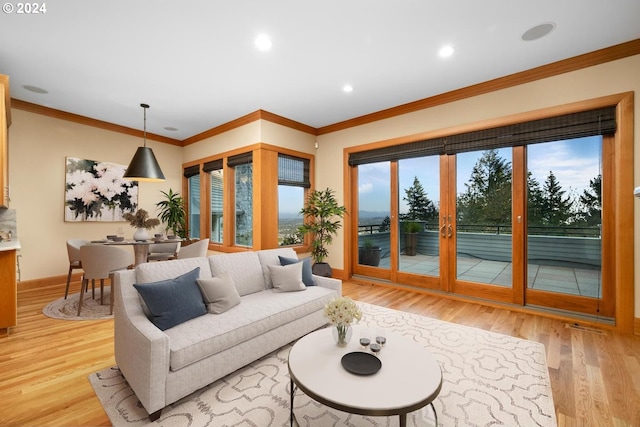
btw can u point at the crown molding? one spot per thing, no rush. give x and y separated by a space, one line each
76 118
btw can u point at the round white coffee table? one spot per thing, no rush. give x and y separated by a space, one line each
409 379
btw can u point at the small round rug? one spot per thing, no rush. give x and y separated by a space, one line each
67 309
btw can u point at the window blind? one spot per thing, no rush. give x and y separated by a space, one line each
600 121
191 171
212 165
293 171
240 159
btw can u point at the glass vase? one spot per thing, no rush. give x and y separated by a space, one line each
342 334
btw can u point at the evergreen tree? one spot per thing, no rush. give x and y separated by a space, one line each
557 206
535 201
487 199
590 211
421 208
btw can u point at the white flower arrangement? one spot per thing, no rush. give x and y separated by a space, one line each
342 311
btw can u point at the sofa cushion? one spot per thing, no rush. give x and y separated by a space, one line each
272 257
258 313
244 268
219 293
173 301
307 274
287 278
155 271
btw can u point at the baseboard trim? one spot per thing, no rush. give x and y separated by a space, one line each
47 281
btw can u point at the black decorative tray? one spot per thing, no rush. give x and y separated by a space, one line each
361 363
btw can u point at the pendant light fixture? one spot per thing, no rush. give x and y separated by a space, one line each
144 166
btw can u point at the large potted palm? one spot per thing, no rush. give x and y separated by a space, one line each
322 220
173 213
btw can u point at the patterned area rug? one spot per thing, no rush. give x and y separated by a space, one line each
67 309
488 380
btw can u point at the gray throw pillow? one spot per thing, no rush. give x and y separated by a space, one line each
173 301
307 274
219 293
287 278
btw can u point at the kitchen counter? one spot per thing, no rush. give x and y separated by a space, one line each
13 244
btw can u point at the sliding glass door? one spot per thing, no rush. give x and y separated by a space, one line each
523 222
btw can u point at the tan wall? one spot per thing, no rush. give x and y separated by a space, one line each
38 146
602 80
252 133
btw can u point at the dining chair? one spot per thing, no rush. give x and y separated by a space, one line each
196 249
163 251
73 251
100 262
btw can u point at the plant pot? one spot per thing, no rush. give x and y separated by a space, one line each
410 244
369 256
321 269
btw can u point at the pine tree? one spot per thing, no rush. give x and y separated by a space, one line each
590 211
557 207
421 208
487 199
535 201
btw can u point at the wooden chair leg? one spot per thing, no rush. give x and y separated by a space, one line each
111 293
85 284
101 291
66 291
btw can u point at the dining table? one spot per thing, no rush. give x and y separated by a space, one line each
140 247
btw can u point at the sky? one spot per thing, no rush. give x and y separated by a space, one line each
573 162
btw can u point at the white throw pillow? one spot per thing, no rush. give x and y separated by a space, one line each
219 293
287 278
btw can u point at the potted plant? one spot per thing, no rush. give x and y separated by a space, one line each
173 213
411 230
321 214
141 221
369 254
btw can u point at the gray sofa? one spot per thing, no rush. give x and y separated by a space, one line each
162 366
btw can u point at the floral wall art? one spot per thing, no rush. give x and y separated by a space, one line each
97 191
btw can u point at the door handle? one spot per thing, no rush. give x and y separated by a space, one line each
449 230
442 230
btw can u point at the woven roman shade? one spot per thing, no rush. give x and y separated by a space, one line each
293 171
240 159
600 121
212 165
575 125
191 171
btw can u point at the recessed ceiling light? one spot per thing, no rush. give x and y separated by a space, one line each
347 88
538 31
446 51
170 128
263 42
35 89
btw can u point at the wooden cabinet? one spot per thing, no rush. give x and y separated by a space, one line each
8 291
5 121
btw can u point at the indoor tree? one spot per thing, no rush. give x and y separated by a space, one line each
322 216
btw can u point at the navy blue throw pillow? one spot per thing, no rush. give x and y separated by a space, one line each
307 275
173 301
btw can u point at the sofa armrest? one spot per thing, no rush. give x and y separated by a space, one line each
329 282
141 349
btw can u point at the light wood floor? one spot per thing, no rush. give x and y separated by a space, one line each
44 363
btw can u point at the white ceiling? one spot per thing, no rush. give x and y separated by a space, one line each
196 64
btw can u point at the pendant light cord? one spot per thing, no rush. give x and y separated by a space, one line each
144 135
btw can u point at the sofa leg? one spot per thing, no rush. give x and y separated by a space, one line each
155 416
